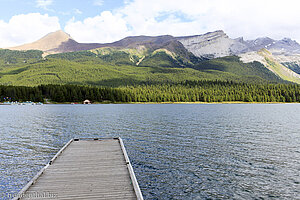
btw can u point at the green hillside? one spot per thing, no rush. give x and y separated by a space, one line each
120 67
294 66
279 69
247 72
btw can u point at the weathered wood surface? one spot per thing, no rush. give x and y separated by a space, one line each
87 169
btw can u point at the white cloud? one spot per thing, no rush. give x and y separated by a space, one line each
248 18
77 11
43 3
102 28
23 28
98 2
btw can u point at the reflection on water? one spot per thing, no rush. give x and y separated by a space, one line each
178 151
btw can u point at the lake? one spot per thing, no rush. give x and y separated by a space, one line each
178 151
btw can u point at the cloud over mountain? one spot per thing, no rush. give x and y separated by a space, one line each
26 28
103 28
250 18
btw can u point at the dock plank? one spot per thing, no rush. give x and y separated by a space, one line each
86 169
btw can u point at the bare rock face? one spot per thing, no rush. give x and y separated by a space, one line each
285 46
286 52
50 41
239 46
57 42
260 43
209 45
60 42
218 44
215 44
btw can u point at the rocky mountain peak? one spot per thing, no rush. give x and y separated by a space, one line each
288 41
240 39
210 45
59 35
50 41
133 41
286 46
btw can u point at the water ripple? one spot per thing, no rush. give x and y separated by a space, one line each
177 151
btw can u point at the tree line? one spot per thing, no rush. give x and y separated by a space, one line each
188 91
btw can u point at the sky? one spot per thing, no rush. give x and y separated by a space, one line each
101 21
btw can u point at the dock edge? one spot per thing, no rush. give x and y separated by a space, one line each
134 181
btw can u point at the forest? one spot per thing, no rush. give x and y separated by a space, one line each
118 68
187 91
112 76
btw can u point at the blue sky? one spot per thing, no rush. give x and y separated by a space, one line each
64 9
110 20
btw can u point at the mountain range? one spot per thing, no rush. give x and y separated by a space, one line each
212 55
209 45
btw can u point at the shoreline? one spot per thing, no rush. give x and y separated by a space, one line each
227 102
198 102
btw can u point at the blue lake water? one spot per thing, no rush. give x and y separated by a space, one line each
178 151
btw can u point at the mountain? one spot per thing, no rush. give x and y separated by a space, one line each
218 44
121 67
46 43
60 42
56 42
271 62
210 45
282 57
285 46
58 58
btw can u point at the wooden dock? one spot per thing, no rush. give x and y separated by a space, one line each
86 169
